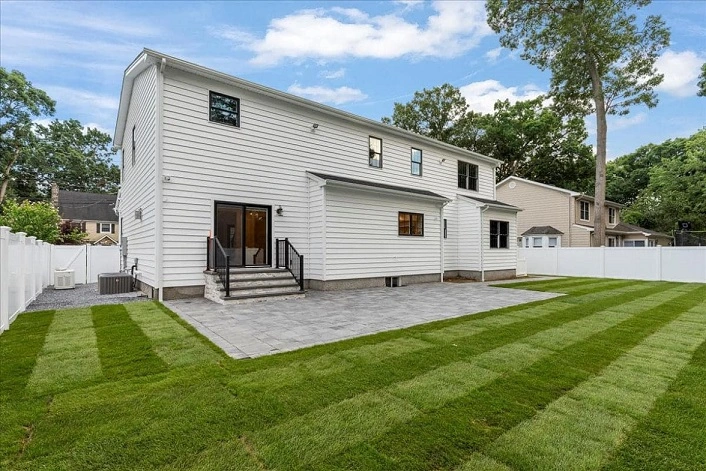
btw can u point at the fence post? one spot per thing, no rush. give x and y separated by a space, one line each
21 247
31 267
4 278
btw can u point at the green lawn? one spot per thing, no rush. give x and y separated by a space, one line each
610 376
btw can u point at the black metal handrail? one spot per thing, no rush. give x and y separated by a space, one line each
219 261
288 257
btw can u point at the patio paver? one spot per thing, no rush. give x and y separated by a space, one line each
256 329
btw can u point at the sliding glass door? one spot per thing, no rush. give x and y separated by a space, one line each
244 232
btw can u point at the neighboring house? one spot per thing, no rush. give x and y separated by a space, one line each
207 153
92 213
553 216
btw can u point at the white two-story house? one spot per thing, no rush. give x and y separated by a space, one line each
206 154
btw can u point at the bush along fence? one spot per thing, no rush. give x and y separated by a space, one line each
25 270
686 264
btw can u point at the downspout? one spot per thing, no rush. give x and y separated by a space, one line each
483 209
441 240
159 200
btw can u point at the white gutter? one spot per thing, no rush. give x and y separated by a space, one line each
483 209
441 239
159 200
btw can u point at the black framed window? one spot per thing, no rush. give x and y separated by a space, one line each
134 145
446 229
467 176
611 215
499 231
410 224
375 152
416 158
585 210
224 109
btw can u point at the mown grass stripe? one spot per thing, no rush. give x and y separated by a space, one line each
69 356
171 341
673 435
473 421
580 429
304 397
19 350
124 350
443 384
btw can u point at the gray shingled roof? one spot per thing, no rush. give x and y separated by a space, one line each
493 202
542 230
384 186
622 227
79 206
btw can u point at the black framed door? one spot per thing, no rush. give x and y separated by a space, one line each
244 232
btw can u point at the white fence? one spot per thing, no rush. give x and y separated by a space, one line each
27 267
686 264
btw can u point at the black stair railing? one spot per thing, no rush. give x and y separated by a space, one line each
288 257
219 261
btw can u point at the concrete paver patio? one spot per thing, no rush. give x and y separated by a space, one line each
255 329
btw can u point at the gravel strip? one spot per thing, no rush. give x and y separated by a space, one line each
81 296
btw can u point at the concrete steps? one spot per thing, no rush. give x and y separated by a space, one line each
253 285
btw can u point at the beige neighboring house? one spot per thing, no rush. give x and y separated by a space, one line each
553 216
93 213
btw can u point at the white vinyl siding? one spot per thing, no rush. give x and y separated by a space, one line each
362 235
137 188
265 161
499 259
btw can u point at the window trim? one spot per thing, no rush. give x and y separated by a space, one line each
210 107
412 162
371 152
399 227
534 242
446 229
467 176
497 237
549 242
588 210
110 227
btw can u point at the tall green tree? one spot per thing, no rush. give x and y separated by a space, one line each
629 174
676 190
702 81
440 113
20 103
601 60
538 143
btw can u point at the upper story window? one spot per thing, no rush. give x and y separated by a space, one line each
375 152
611 215
410 224
134 145
467 176
499 231
585 211
224 109
416 162
105 228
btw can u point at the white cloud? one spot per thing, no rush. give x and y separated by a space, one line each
333 74
337 96
81 99
338 33
628 121
481 96
681 70
493 54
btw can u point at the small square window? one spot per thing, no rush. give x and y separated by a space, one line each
410 224
224 109
416 159
375 152
552 242
537 242
499 231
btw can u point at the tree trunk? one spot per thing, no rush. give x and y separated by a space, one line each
6 175
601 142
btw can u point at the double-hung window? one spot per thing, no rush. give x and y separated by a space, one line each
611 215
499 231
467 176
224 109
585 211
416 161
105 228
375 152
410 224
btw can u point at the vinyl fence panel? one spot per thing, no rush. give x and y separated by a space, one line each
70 257
100 259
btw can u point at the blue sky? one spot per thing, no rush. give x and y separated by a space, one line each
358 56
